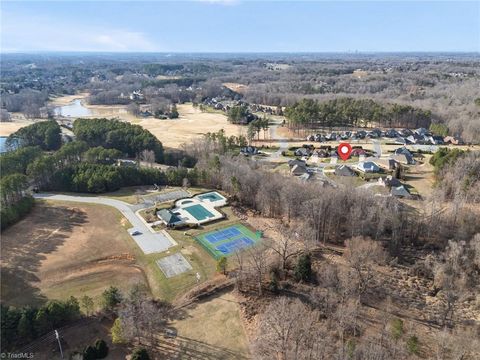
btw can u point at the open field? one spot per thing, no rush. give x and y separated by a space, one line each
67 99
18 121
191 124
210 329
221 327
62 249
236 87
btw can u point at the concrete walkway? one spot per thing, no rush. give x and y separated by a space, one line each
149 241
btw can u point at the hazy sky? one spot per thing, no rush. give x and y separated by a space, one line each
240 26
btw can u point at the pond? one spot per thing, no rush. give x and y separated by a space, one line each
74 109
2 144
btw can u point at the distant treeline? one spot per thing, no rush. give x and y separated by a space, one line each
312 114
18 326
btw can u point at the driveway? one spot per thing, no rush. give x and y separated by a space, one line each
377 148
149 241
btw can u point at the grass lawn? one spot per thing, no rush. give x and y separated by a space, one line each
221 328
201 261
66 248
62 249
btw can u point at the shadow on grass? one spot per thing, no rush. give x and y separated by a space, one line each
24 246
185 348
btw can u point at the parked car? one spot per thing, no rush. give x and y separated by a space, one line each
135 232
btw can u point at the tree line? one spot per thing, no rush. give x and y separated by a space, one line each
82 165
19 326
329 215
349 112
45 134
128 138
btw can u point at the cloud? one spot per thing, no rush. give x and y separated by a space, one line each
26 33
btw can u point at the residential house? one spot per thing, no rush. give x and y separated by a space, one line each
298 170
302 152
249 150
368 167
454 140
391 133
402 150
401 140
294 162
305 177
389 181
361 134
358 152
405 158
344 170
387 163
436 140
400 191
405 132
421 131
415 138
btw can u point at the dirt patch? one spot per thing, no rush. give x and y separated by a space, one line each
60 250
238 88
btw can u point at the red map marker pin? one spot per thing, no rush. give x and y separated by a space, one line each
344 150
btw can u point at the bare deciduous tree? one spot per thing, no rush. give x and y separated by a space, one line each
284 328
362 255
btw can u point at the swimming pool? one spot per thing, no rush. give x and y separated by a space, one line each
199 212
212 196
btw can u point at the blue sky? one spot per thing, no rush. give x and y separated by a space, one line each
240 26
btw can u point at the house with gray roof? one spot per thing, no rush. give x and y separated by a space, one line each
344 170
400 191
368 167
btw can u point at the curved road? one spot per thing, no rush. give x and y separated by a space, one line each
149 241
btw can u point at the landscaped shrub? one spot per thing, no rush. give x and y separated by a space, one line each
101 348
140 354
412 344
397 328
89 353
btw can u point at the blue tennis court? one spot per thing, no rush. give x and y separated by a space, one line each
233 245
226 241
199 212
222 235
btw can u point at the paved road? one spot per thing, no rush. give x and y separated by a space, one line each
148 241
282 141
377 148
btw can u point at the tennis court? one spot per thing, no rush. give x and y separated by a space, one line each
174 265
226 241
199 212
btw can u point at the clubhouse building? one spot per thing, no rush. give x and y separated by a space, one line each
199 209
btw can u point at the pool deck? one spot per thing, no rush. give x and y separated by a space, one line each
202 208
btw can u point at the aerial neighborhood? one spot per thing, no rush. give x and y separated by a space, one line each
234 180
